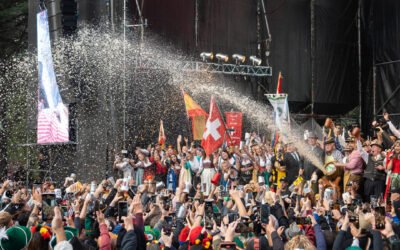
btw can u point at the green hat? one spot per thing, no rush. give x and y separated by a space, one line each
157 233
15 238
69 233
238 241
151 234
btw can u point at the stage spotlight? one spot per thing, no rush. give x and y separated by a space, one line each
205 56
239 58
222 57
255 61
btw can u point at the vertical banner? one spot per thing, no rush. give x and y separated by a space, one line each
52 113
234 123
281 109
198 126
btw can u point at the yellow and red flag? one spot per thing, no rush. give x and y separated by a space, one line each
161 135
192 108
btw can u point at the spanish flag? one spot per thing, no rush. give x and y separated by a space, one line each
198 126
192 108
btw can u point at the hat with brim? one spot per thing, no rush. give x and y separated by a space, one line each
329 140
69 233
15 238
350 139
376 143
312 135
293 230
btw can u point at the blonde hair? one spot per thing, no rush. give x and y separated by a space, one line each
300 241
5 219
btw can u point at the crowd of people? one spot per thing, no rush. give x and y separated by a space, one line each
256 195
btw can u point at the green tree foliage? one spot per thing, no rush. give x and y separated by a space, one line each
13 27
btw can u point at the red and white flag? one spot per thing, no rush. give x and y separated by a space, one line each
213 136
161 135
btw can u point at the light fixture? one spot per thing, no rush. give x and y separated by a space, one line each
222 57
205 56
255 61
239 59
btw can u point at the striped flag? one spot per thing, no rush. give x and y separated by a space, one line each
52 126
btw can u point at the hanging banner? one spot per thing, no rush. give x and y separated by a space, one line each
234 123
281 109
52 124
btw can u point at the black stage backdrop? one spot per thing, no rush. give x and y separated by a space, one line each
381 33
230 26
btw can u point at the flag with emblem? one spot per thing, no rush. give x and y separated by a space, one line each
213 136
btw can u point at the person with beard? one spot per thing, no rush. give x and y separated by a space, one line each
374 175
315 150
355 167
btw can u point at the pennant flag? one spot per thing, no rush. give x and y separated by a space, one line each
192 108
213 136
281 109
279 102
198 126
279 85
161 135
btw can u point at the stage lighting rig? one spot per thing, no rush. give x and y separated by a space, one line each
222 58
207 56
255 61
239 59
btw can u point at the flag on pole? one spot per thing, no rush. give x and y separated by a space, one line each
279 102
213 136
198 126
192 108
161 135
279 85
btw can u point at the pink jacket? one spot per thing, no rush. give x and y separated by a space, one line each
104 241
355 164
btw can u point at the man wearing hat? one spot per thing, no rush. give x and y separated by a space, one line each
355 166
315 150
331 153
374 175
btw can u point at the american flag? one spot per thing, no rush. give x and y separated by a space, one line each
52 126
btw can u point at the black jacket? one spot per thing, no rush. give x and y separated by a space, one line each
292 166
129 241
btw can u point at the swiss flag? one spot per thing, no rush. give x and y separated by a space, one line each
213 135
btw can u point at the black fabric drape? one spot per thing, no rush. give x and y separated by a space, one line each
381 33
230 26
336 65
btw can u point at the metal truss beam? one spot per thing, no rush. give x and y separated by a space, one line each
229 69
